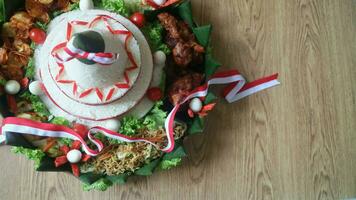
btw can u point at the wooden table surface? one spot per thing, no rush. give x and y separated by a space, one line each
295 141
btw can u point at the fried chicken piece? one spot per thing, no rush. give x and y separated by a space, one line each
8 30
44 18
22 48
35 8
183 54
183 86
181 39
18 59
170 23
12 72
3 56
63 5
19 26
21 20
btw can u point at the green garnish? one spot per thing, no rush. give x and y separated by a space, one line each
117 6
168 164
101 185
153 32
156 117
60 121
30 68
41 25
31 154
130 125
37 105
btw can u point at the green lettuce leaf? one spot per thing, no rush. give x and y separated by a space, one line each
60 121
65 141
38 106
156 117
117 6
168 164
130 125
30 68
31 154
101 185
41 25
153 32
74 6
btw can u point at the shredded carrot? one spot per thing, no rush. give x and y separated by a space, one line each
50 143
104 156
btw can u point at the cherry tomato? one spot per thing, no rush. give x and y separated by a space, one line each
154 94
38 35
138 19
80 129
24 82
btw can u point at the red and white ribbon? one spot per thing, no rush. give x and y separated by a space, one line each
30 127
70 52
237 90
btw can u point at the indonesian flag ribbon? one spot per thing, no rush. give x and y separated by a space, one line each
70 52
236 90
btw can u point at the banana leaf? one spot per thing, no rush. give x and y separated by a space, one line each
7 7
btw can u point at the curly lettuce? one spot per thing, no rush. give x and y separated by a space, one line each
31 154
30 69
168 164
102 185
154 32
37 105
60 121
154 120
130 125
156 117
122 7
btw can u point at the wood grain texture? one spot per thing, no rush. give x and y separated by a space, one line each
296 141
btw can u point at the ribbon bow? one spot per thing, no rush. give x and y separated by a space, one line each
70 52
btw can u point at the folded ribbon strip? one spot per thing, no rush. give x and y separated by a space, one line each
70 52
237 90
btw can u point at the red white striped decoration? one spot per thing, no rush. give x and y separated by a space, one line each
237 90
70 52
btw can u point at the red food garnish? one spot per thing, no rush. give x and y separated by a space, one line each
75 170
24 82
11 102
80 129
154 94
38 35
61 160
138 19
